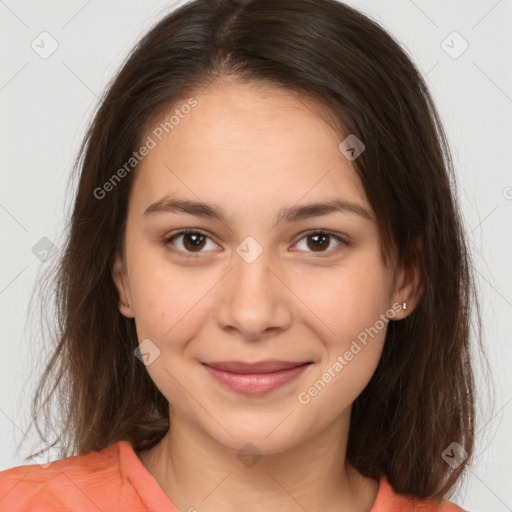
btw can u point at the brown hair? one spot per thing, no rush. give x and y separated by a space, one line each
421 396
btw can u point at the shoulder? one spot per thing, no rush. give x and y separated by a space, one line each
389 501
72 483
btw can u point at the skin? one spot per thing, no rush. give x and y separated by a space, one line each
254 150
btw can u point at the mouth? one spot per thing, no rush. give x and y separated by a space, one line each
255 378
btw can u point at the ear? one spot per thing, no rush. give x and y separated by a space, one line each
120 278
409 285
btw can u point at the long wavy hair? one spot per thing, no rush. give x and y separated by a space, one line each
421 398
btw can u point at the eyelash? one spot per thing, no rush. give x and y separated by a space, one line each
167 241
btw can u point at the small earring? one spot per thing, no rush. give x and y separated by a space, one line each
404 306
126 305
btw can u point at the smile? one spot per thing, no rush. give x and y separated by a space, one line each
256 383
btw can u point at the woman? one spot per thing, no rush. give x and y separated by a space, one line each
266 295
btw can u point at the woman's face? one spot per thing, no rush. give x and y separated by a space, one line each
251 284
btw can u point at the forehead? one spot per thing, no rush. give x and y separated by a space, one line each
246 141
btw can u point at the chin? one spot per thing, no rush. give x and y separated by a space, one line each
258 438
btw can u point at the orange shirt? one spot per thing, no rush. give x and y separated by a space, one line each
114 479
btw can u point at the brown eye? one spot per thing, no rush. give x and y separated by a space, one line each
189 241
320 242
193 241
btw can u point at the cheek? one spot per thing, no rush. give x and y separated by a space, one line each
172 306
350 320
350 300
352 329
171 302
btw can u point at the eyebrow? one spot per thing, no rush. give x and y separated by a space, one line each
169 204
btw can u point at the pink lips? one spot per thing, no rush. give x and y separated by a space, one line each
255 378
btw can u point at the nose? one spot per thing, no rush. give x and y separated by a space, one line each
254 300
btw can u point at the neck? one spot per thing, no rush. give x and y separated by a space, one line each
197 473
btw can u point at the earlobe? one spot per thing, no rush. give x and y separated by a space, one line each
120 280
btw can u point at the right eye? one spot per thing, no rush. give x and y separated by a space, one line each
192 241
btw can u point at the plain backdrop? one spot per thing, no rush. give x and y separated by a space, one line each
46 101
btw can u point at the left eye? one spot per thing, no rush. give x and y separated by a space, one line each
318 241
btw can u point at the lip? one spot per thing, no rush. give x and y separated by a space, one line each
272 365
255 378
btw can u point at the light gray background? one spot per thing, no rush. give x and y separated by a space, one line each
46 104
